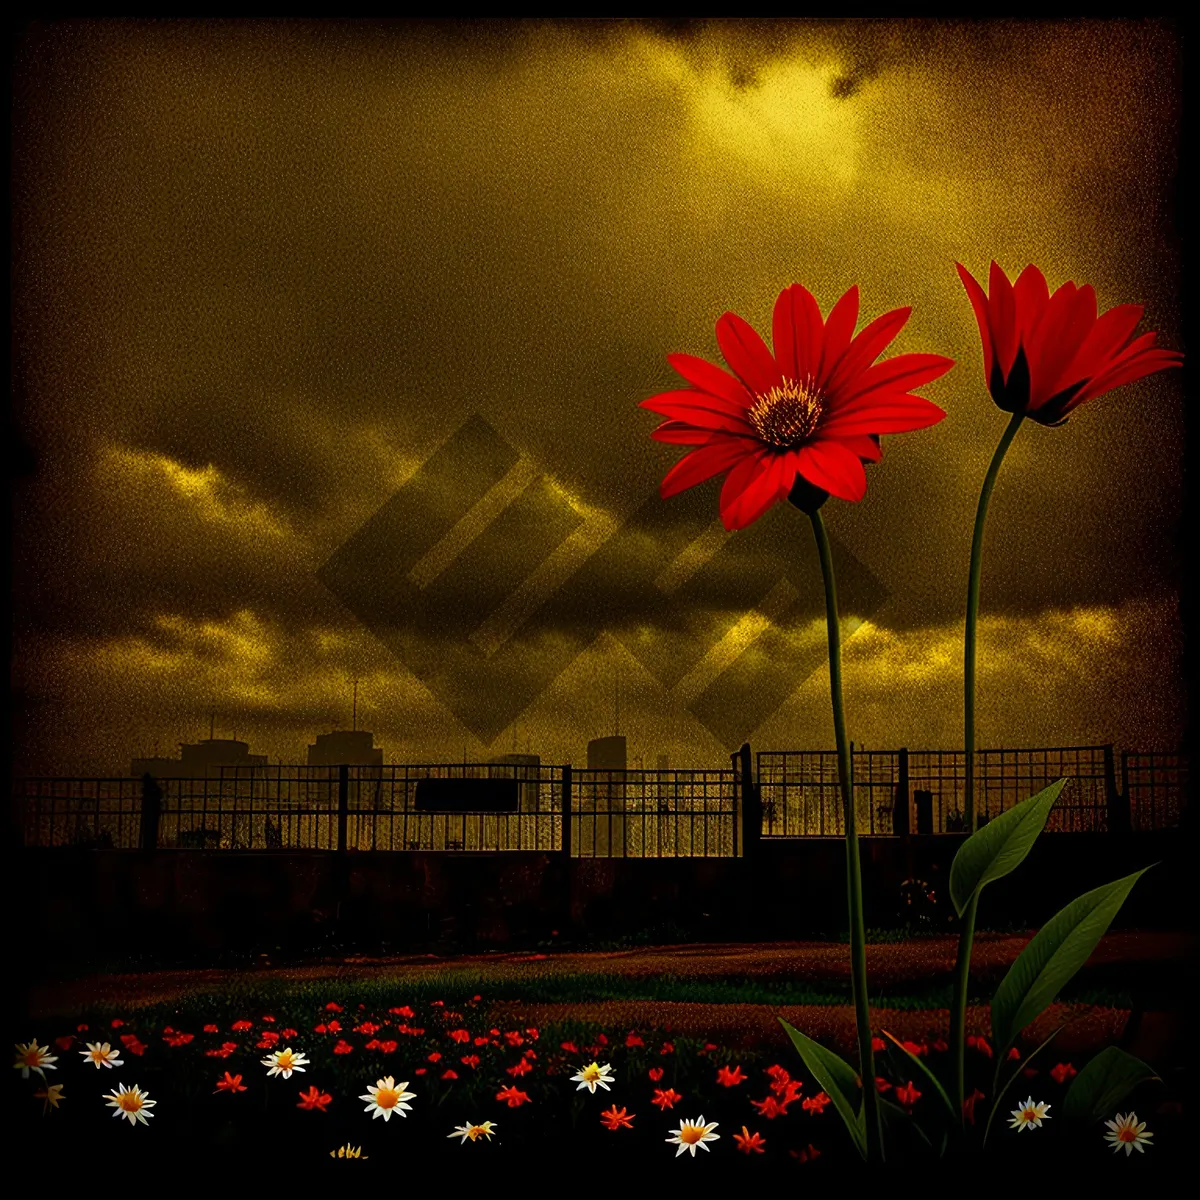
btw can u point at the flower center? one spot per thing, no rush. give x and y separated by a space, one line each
1127 1135
130 1101
386 1098
787 414
690 1134
284 1060
591 1073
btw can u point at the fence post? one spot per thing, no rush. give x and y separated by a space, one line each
751 804
1119 816
151 812
343 806
900 814
566 812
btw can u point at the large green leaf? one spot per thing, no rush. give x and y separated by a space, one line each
1000 846
837 1078
1101 1086
925 1073
1052 957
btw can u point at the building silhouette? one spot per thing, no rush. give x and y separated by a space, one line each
201 760
345 747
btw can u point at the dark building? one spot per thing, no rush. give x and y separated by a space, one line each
345 747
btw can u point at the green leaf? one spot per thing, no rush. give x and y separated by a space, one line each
1103 1084
837 1078
1000 846
1053 956
926 1073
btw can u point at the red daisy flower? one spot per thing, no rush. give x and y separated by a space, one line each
615 1118
730 1078
1044 355
231 1083
749 1143
511 1096
314 1098
665 1099
803 418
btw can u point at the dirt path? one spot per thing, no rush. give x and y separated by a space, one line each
889 965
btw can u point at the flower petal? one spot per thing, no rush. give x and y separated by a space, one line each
1059 339
703 463
839 329
867 347
747 354
708 377
797 331
880 414
899 374
1107 339
979 302
671 404
1031 294
1002 318
752 487
832 466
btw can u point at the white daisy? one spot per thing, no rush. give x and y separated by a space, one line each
34 1058
102 1054
131 1103
1126 1131
284 1062
387 1097
594 1076
484 1129
691 1134
1029 1114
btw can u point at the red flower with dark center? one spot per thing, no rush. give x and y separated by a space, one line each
314 1098
1046 355
615 1118
800 422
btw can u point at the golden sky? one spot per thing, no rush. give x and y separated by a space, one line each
264 273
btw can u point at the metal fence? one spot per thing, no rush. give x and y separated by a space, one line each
613 814
654 814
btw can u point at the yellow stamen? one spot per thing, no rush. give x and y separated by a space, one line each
787 414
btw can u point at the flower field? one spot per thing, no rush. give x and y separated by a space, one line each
343 1084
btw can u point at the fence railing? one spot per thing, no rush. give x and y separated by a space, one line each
613 814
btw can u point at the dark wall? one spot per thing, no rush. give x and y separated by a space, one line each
232 901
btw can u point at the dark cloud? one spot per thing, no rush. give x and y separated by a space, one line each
262 271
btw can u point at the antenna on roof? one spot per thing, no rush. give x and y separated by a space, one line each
354 721
212 722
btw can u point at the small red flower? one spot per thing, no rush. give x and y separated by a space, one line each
667 1048
805 416
288 1034
570 1047
178 1039
815 1105
728 1078
664 1100
878 1045
402 1011
908 1096
212 1029
914 1048
449 1074
809 1154
388 1047
749 1143
476 998
133 1044
438 1003
218 1053
1061 1072
616 1118
533 1033
241 1026
881 1084
770 1108
513 1038
481 1041
334 1006
373 1044
969 1105
269 1020
1014 1055
64 1043
520 1067
980 1044
1030 1072
941 1046
632 1040
512 1096
314 1098
322 1028
367 1029
117 1022
1046 355
81 1029
655 1073
230 1046
334 1026
419 1071
460 1035
602 1039
530 1053
231 1083
436 1056
342 1047
470 1060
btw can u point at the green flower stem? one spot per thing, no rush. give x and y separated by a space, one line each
985 497
958 1008
858 949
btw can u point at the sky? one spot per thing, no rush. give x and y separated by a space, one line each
329 341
